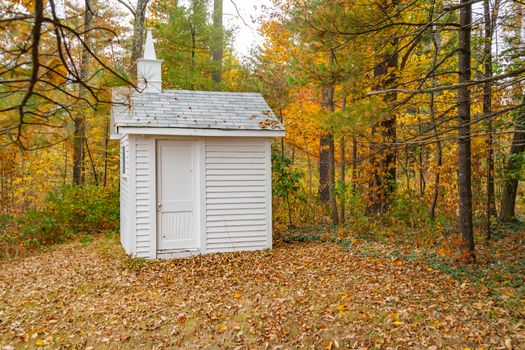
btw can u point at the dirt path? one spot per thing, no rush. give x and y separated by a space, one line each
297 295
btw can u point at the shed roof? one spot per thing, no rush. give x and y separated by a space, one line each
184 109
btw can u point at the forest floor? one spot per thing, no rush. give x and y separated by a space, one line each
309 294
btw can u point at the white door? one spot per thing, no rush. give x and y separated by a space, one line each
177 195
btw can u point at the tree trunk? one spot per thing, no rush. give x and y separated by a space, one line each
310 171
79 120
66 160
324 167
422 181
510 186
384 155
193 54
464 137
281 119
439 158
326 143
432 109
333 199
407 168
105 153
327 152
422 156
342 169
138 32
218 39
78 149
93 169
487 109
354 165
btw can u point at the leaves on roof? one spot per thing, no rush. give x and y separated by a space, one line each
269 123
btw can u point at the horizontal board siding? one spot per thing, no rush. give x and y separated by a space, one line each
246 149
236 195
234 206
227 230
238 173
235 216
143 163
247 183
234 211
125 234
234 161
229 177
231 223
238 187
214 156
235 247
240 201
232 193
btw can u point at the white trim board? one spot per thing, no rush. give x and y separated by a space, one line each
153 197
199 132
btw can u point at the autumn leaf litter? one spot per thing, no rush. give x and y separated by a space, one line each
299 295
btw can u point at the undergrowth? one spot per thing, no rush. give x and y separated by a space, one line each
68 211
499 269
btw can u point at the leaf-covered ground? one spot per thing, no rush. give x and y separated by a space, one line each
298 295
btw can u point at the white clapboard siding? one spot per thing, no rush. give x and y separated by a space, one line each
237 203
125 227
234 206
144 161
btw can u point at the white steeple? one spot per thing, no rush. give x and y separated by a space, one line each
149 69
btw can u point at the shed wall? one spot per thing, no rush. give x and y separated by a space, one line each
125 233
238 194
145 214
235 202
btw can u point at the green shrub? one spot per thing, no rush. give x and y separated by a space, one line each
6 220
409 210
8 238
67 210
85 209
285 184
38 228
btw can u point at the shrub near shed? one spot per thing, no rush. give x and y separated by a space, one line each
67 211
85 209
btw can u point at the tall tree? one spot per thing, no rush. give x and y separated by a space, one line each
138 12
342 169
139 16
433 121
217 41
79 119
487 109
383 154
185 43
326 143
326 146
514 164
464 136
510 186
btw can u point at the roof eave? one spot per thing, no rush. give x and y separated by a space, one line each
199 132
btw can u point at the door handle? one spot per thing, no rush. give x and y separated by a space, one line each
159 205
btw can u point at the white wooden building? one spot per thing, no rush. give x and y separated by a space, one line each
195 167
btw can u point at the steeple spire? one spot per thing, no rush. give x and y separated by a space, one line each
149 69
149 47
